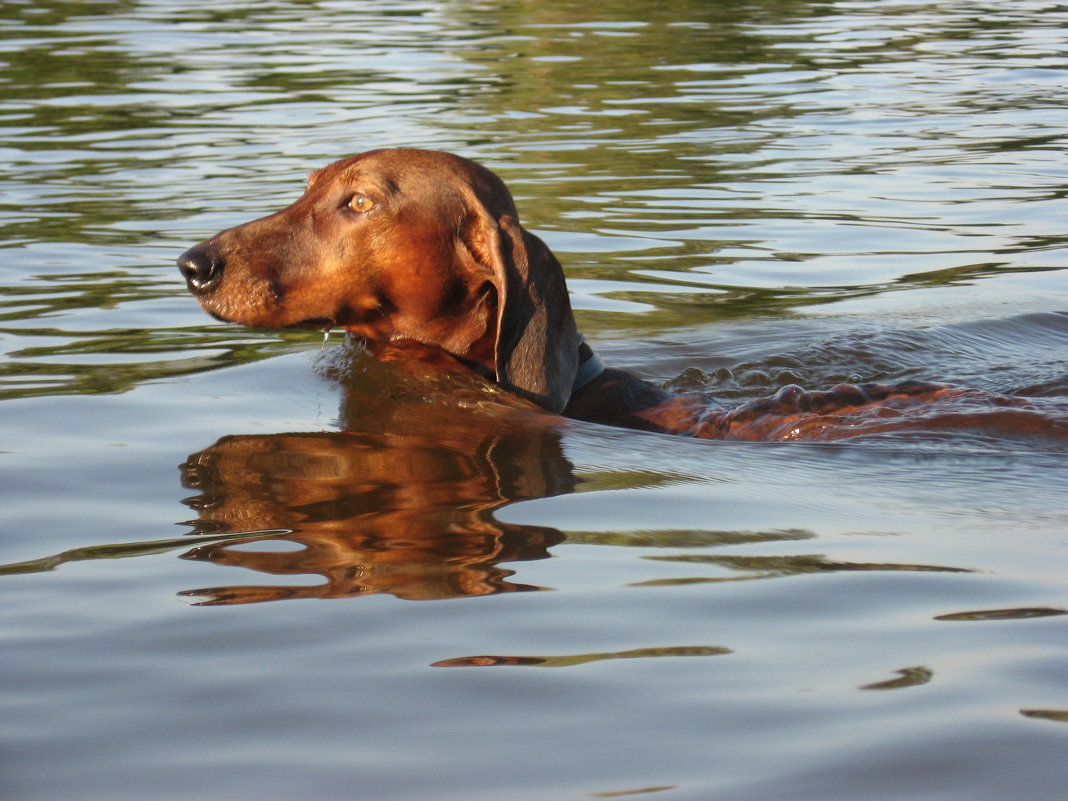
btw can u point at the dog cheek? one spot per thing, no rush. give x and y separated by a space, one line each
323 290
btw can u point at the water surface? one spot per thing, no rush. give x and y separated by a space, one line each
243 563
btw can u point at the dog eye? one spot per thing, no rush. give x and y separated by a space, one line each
361 203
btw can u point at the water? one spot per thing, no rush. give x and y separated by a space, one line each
744 196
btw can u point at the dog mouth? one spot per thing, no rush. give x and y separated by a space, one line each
318 323
264 321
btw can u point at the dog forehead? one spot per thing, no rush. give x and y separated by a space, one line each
435 181
389 173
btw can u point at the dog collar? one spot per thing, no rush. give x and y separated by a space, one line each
590 366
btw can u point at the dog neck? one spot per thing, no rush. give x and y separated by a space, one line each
590 367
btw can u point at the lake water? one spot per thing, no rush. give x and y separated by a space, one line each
250 564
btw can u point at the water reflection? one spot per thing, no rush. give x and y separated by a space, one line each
707 171
580 659
907 677
400 501
117 550
754 567
690 161
1023 613
1056 715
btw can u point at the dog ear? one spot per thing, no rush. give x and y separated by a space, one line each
536 345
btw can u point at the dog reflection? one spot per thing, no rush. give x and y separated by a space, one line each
400 502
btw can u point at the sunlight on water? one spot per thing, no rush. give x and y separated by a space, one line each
744 197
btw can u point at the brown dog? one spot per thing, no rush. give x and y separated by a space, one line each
422 252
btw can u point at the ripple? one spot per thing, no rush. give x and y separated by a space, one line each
1022 613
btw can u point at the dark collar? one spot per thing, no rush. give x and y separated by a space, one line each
590 366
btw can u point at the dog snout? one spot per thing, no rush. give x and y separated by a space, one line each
202 268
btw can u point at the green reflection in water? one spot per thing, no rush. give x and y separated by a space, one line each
685 145
685 538
41 370
578 659
1056 715
1021 613
907 677
125 550
776 566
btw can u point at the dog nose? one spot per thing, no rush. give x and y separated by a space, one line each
202 269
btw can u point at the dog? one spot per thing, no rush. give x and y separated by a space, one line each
421 254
